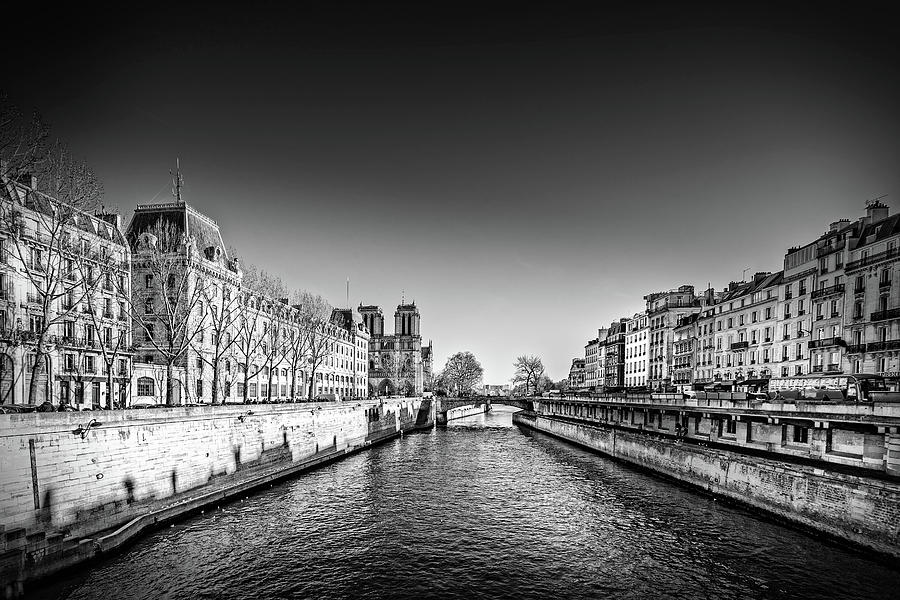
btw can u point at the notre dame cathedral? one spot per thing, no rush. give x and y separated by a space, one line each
398 364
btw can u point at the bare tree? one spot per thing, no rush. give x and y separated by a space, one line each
273 343
167 307
316 317
254 310
23 142
111 345
40 226
296 339
462 372
529 370
222 304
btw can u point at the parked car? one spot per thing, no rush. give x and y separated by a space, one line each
17 408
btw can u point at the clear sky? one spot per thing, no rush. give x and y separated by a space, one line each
524 175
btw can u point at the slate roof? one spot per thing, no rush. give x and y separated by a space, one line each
184 217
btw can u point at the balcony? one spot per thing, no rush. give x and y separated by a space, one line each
833 367
884 346
787 315
818 369
786 337
740 345
871 260
828 291
33 298
884 315
835 315
884 285
856 348
825 342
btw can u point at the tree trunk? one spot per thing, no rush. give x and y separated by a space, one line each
246 384
170 372
215 383
110 400
269 388
35 370
293 384
312 381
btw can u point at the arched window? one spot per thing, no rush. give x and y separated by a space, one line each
145 386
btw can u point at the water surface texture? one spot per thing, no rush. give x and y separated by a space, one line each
480 510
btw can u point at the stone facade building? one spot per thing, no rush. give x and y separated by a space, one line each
397 363
236 340
664 309
62 276
576 374
637 349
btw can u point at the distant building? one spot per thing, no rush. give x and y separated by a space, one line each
744 314
614 356
664 309
872 307
591 357
684 362
637 350
396 364
576 374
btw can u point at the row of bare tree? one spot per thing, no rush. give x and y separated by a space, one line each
182 311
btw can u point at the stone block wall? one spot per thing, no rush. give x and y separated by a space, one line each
865 510
58 471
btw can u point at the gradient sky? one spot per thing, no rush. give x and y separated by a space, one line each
526 176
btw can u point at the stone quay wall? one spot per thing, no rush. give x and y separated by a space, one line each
67 479
859 508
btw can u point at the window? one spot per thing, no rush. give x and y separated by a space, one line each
70 362
199 388
768 313
145 386
801 434
730 426
148 281
89 365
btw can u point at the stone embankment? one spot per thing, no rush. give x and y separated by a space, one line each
76 485
847 503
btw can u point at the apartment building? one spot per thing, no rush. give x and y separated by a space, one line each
64 332
637 350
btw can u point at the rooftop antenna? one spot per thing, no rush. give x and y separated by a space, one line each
348 294
875 200
744 273
177 181
402 297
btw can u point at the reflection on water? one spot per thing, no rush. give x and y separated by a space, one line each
480 510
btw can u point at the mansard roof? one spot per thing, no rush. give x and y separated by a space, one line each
75 218
878 231
185 218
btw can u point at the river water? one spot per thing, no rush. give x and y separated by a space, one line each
480 510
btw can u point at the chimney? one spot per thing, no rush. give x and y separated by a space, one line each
876 211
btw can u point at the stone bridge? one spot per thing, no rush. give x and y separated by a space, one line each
468 406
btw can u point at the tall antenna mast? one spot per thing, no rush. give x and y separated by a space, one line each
177 181
348 293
